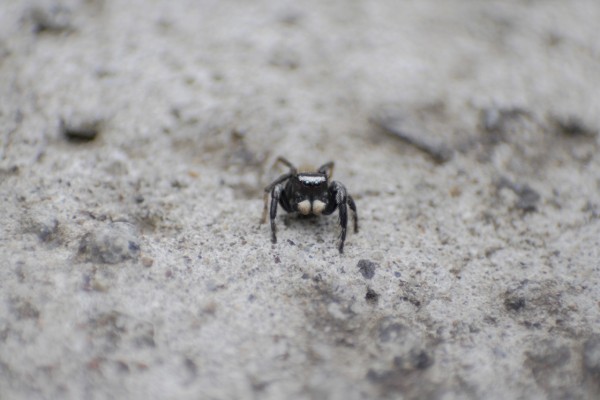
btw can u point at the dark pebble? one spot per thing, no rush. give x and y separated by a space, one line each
55 20
514 303
372 296
367 268
80 131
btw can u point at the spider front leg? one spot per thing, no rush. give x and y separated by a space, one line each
343 223
352 206
270 188
338 198
327 169
275 196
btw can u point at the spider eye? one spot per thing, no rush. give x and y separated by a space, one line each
312 180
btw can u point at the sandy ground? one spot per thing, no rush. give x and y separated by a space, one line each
135 140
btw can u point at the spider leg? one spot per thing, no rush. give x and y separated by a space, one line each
343 223
275 196
352 206
276 182
338 198
327 169
287 163
268 189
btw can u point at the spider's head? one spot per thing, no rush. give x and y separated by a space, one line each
310 192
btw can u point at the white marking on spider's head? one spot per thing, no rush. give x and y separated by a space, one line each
304 207
312 180
317 207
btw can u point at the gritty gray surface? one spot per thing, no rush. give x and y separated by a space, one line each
136 138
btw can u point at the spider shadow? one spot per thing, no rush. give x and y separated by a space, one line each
310 225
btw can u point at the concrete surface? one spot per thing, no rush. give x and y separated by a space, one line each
136 138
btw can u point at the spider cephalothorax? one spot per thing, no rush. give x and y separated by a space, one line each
309 193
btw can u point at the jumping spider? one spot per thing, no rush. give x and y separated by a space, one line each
309 193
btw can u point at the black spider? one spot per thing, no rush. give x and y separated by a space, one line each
309 193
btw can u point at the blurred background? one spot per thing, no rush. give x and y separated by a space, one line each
136 138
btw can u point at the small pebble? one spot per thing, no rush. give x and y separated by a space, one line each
367 268
591 355
80 130
372 296
111 244
147 262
